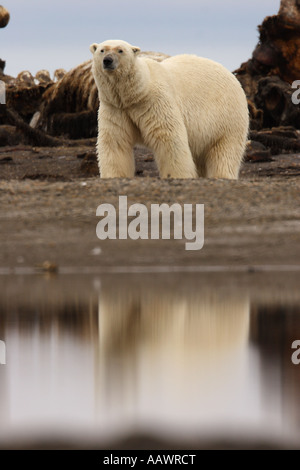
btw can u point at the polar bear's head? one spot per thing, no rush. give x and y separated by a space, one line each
113 55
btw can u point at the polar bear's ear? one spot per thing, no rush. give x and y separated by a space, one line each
93 48
136 49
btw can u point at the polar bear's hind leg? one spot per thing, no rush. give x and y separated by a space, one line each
224 159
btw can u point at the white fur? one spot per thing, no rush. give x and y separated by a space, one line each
191 111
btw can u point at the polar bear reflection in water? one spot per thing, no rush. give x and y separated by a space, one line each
171 352
128 351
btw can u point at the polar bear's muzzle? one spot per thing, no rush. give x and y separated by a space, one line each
109 62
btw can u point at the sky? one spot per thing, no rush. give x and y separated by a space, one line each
57 33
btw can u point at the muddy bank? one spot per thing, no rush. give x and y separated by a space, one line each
253 221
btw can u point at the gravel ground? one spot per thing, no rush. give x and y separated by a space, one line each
49 201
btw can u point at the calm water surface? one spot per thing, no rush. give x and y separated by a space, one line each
182 357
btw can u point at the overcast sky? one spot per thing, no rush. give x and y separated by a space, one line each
57 33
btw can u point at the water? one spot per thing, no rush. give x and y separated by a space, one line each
186 358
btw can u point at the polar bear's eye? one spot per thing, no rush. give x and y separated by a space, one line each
120 51
102 50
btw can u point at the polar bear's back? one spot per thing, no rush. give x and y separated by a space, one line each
210 97
190 73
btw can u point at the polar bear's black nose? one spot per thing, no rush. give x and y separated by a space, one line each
107 62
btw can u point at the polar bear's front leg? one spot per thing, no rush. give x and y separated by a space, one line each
116 138
166 135
174 160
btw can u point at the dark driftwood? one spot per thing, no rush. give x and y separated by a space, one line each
38 137
275 64
34 136
70 106
24 99
274 98
278 140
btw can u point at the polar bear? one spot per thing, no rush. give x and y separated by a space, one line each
190 111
